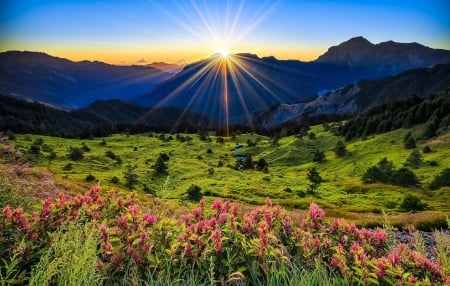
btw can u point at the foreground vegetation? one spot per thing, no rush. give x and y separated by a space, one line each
102 239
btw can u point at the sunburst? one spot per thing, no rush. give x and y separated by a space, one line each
222 31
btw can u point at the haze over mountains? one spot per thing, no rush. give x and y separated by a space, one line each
67 84
265 91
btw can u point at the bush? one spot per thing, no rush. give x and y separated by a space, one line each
68 167
426 149
409 141
315 180
441 180
52 155
194 193
75 153
34 149
340 149
319 156
90 178
405 177
385 173
115 180
85 147
261 164
414 160
160 164
130 176
412 203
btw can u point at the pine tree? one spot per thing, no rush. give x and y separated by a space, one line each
315 180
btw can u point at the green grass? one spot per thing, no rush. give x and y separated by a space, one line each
341 194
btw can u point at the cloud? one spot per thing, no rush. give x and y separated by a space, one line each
141 61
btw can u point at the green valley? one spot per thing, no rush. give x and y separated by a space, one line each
210 163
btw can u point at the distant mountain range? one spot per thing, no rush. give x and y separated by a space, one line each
170 68
258 90
67 84
255 83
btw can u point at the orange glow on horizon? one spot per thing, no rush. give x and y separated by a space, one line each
145 55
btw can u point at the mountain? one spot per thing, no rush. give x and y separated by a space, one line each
354 98
389 56
67 84
101 118
170 68
254 83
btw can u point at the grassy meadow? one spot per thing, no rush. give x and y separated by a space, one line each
208 164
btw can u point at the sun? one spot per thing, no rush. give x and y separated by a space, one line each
223 52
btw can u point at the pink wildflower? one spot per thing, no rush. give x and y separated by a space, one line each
148 219
133 210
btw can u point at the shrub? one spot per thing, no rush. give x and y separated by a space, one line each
405 177
194 193
90 178
75 153
440 180
340 149
315 180
85 147
319 156
409 141
34 149
414 160
115 180
426 149
52 155
412 203
160 164
261 164
130 176
68 167
384 172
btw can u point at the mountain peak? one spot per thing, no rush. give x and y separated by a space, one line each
390 56
357 40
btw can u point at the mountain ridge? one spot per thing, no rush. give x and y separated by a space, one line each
57 81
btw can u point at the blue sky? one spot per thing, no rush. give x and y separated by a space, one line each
124 32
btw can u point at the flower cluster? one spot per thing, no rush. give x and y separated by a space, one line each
221 237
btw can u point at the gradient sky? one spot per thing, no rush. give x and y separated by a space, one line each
128 32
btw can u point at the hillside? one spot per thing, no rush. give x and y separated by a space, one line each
354 98
211 166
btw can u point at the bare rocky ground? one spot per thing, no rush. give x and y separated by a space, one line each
429 241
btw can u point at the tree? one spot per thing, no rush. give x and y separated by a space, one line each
75 153
405 177
318 156
441 180
130 176
409 141
383 172
261 164
315 180
340 150
160 164
414 160
194 193
412 203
